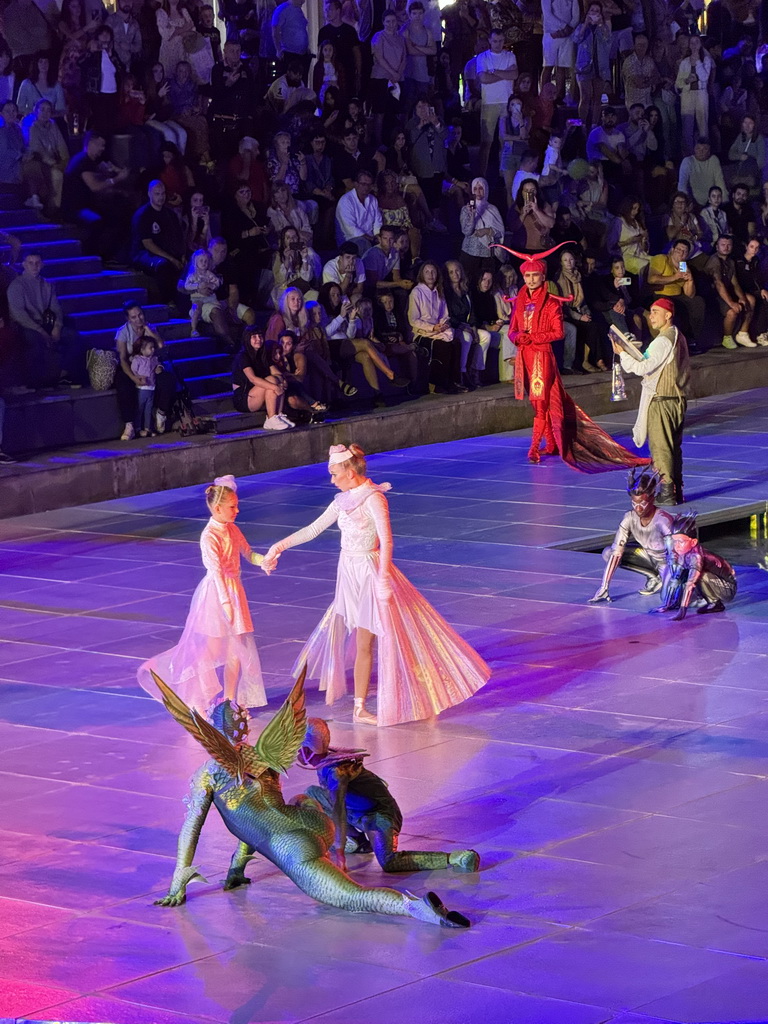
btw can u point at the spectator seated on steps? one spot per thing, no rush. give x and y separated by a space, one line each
53 354
157 242
95 197
127 382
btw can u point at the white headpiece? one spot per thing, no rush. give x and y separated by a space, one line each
339 453
226 481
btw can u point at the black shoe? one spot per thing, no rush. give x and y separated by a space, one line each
400 382
459 389
666 495
711 609
6 460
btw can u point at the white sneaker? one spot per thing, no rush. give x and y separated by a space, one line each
274 423
289 423
762 339
129 433
742 338
160 420
34 203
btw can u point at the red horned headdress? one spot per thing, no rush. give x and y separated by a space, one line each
533 264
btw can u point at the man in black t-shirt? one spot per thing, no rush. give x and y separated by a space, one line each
232 93
229 319
231 85
741 217
157 244
348 160
346 44
93 198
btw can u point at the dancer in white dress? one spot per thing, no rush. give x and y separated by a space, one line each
424 666
218 634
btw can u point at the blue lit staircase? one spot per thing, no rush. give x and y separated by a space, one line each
92 300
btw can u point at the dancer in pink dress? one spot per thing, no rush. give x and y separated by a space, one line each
218 634
423 666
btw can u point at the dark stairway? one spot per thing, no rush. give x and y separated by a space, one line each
92 299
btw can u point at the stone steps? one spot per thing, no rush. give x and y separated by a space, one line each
108 280
110 319
61 249
101 301
18 218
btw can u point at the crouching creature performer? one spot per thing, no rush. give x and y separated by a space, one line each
649 527
243 783
536 324
692 569
365 814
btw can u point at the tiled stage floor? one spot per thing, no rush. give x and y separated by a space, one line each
612 774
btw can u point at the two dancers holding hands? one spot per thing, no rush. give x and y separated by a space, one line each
423 665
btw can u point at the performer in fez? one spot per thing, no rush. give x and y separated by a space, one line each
665 369
536 323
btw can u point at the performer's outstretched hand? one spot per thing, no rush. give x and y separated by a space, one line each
270 560
601 595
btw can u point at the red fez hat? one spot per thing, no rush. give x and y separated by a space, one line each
663 303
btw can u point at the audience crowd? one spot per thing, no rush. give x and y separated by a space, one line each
329 208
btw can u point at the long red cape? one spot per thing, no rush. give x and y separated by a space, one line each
583 445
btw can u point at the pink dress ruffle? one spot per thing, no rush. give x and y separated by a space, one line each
424 666
209 640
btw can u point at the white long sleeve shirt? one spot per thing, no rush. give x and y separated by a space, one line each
659 354
354 219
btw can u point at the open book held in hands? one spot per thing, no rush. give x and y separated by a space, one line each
626 342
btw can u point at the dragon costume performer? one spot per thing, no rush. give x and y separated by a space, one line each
364 812
640 544
243 782
691 569
535 325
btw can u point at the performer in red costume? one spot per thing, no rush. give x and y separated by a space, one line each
536 323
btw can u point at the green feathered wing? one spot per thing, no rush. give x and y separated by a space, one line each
276 747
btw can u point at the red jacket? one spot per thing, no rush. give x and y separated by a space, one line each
546 323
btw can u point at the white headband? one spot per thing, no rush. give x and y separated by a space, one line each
339 453
226 481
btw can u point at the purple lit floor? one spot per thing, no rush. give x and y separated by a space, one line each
612 774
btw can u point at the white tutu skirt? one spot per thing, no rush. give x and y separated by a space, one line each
208 643
424 666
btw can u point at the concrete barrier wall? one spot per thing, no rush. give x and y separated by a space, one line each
80 476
